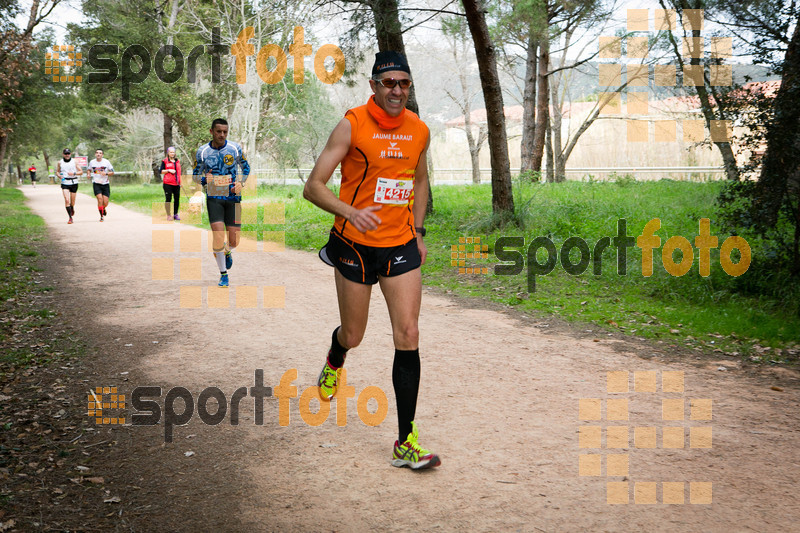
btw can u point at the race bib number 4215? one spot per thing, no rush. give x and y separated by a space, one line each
390 191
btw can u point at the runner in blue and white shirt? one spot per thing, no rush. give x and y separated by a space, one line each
100 169
68 171
216 166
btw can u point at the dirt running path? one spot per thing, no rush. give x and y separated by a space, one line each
499 403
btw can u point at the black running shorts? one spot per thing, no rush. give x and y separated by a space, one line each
100 188
70 188
226 211
363 264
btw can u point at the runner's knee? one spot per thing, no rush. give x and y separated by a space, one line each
218 240
350 339
406 336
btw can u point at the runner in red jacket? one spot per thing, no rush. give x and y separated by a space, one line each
171 177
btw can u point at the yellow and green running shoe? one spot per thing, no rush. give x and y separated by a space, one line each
328 381
412 455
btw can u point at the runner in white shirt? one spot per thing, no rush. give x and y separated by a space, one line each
100 169
68 172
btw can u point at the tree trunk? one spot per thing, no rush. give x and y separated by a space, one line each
706 107
779 181
3 168
542 103
548 152
389 33
529 107
47 164
474 149
431 177
19 173
560 167
155 166
173 17
728 159
559 161
502 198
167 132
474 153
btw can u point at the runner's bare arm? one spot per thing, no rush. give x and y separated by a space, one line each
317 192
197 172
421 198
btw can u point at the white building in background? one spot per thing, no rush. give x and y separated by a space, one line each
607 143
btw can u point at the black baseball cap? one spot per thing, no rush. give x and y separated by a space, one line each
389 60
67 151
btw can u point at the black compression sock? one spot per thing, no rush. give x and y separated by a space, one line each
337 353
405 378
69 210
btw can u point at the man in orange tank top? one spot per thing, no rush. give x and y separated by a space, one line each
378 235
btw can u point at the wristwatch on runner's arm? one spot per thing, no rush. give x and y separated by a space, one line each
421 230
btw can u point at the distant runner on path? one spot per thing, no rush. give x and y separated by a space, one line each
32 170
68 171
216 169
100 169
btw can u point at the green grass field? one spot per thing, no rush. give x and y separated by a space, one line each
704 312
24 321
19 229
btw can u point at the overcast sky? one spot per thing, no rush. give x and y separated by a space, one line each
69 11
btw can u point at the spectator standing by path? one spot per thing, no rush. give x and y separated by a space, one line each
171 178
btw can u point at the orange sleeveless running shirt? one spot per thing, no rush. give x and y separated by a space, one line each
379 170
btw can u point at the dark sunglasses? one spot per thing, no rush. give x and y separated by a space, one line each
391 83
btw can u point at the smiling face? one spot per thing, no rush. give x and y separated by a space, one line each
98 154
171 153
219 133
393 100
